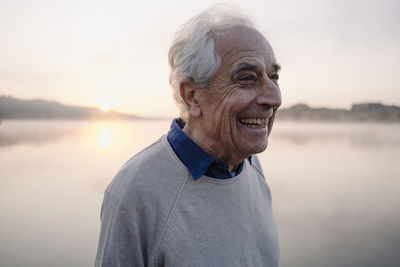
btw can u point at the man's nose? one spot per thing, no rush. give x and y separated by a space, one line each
270 95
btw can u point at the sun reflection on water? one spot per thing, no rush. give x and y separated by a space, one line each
105 138
120 140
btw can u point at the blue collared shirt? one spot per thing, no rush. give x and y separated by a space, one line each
194 158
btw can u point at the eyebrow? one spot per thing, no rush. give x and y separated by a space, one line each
276 67
253 67
244 66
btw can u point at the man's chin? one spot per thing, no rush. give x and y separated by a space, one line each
257 148
262 149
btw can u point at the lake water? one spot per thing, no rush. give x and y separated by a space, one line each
335 189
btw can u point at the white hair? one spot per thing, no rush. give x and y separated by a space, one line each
192 55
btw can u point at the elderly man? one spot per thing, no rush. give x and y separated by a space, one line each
198 196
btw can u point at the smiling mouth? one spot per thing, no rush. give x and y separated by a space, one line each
254 122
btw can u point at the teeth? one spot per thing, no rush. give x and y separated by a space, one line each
254 122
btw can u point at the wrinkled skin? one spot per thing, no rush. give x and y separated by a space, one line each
245 86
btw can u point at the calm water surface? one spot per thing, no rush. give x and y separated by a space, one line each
335 188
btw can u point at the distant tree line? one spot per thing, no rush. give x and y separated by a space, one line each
13 108
365 112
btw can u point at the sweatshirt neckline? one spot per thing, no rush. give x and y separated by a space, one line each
204 177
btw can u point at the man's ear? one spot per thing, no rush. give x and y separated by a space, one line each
188 91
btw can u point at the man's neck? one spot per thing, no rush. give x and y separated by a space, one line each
229 158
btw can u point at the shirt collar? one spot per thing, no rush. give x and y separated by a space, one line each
194 158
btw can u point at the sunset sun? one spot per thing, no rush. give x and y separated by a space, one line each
105 107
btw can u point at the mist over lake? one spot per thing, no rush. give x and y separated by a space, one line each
335 189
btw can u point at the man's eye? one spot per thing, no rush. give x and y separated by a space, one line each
247 78
274 77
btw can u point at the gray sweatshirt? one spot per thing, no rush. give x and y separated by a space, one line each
155 214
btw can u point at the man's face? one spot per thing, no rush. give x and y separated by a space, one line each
238 109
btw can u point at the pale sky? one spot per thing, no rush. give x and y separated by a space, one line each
114 53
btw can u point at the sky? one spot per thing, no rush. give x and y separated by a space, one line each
114 53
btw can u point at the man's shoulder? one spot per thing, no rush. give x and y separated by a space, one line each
154 171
